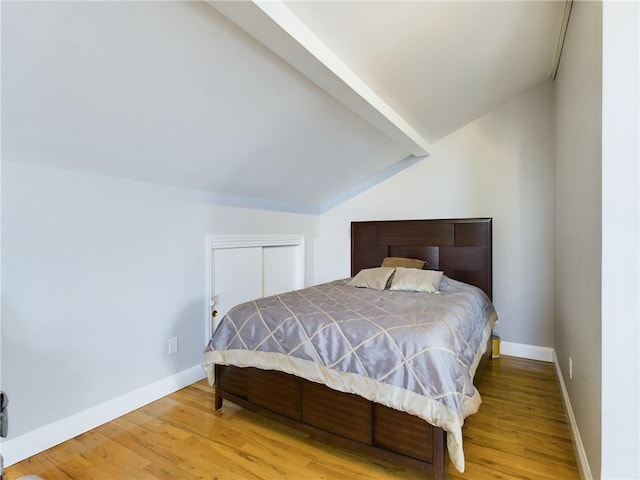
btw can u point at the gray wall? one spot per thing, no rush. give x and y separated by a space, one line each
577 326
596 303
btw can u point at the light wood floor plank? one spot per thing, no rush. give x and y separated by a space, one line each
520 432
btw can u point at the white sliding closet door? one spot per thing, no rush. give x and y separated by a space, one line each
281 270
244 268
236 276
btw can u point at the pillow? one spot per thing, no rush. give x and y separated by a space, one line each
414 280
403 262
372 278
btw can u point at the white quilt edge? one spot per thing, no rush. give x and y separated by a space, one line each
394 397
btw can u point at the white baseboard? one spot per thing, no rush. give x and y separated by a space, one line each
581 454
547 354
16 449
532 352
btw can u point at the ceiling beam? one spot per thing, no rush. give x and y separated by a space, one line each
276 27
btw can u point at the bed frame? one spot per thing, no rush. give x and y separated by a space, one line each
459 247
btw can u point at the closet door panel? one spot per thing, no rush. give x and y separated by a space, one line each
237 276
281 269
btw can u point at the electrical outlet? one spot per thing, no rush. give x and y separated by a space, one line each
173 345
570 368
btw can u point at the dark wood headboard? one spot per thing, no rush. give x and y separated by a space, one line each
461 247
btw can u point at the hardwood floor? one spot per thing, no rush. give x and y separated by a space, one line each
520 432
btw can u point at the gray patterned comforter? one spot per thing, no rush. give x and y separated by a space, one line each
415 352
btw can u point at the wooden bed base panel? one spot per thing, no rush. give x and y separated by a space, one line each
462 248
340 419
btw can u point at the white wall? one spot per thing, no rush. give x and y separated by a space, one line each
97 274
578 220
499 166
620 240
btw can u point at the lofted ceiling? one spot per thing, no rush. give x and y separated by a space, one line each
293 104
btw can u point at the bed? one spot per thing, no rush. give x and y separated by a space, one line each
322 380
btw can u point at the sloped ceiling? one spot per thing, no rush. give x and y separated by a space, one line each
294 105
